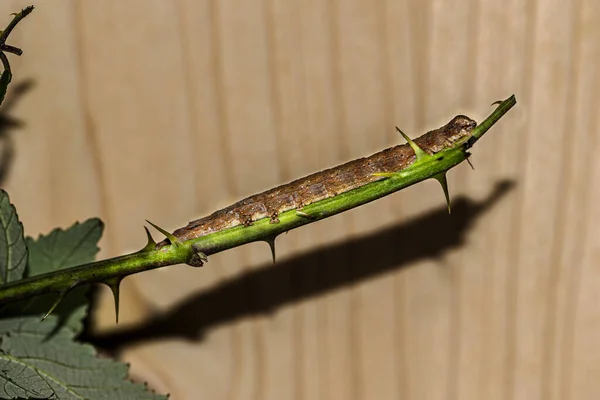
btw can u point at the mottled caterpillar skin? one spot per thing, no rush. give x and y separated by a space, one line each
325 184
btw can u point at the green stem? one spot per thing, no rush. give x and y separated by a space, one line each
503 107
112 270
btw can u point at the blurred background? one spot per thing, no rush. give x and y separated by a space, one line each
168 110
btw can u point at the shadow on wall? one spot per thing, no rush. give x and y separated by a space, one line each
7 124
325 269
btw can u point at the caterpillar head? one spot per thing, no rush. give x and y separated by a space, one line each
459 127
442 138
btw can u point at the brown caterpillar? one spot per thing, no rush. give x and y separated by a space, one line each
325 184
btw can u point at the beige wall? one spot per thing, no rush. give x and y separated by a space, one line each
167 110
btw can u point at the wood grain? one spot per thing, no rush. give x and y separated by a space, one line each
171 110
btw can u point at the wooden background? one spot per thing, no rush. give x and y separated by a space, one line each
168 110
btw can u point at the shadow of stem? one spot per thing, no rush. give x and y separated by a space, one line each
311 274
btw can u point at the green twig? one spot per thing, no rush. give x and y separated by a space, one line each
193 251
503 107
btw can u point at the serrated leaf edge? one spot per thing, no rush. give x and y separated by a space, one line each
22 263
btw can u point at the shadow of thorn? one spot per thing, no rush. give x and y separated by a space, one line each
314 273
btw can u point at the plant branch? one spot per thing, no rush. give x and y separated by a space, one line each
11 49
18 17
483 127
193 251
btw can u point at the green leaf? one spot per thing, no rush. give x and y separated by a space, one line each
71 370
62 249
4 82
19 380
13 251
57 250
41 359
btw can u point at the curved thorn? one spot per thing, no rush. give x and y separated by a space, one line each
151 245
469 161
173 239
114 285
271 242
486 124
61 296
441 178
418 151
496 103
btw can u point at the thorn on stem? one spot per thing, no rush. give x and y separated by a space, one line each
441 178
172 238
271 242
61 296
419 152
114 285
151 245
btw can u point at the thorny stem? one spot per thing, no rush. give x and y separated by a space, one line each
4 36
18 17
483 127
154 256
